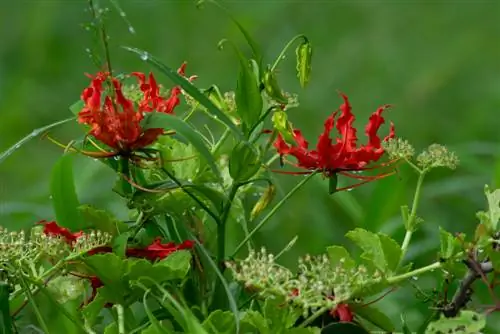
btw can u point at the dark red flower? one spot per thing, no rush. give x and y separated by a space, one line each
115 122
157 250
152 99
343 155
52 229
343 313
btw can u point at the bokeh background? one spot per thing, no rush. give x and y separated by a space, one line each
437 62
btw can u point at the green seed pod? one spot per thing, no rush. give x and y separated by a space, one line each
272 88
304 55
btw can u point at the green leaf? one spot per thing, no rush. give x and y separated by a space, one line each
247 95
220 322
255 320
102 220
111 270
64 199
491 218
373 315
244 162
5 317
344 328
278 315
467 322
92 310
392 251
112 328
448 244
184 130
175 150
281 123
190 89
304 55
158 328
177 263
307 330
272 87
76 107
35 133
372 247
120 244
339 256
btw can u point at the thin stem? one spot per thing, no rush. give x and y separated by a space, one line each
272 212
221 141
190 194
314 316
410 223
36 310
221 227
121 318
285 49
416 272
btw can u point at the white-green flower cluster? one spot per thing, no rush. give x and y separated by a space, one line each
317 284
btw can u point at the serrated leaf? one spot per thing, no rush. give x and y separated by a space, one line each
467 322
190 89
111 270
371 245
92 310
184 130
375 316
256 320
304 56
220 322
392 251
493 213
102 220
247 95
339 256
120 244
175 150
278 315
64 198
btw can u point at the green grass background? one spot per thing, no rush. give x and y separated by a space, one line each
437 62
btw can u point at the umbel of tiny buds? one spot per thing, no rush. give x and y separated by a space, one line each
437 156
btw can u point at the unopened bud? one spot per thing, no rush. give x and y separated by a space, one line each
263 201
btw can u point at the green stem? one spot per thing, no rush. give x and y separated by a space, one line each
36 310
121 318
272 212
190 194
410 223
396 279
221 227
314 316
217 147
261 119
285 49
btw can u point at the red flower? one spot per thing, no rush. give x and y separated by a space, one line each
343 313
343 155
51 228
114 122
152 99
157 250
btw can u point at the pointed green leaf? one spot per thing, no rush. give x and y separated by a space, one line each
255 320
184 130
76 107
375 316
392 251
64 198
339 256
102 220
448 244
92 310
278 315
248 98
111 270
190 89
370 244
220 322
244 162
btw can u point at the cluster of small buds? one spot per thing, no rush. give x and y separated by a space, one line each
318 284
90 241
259 271
230 101
437 156
12 245
49 245
398 148
292 100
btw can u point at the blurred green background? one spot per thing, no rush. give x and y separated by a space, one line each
437 62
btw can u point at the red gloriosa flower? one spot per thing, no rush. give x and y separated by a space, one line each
51 228
343 155
115 122
152 99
